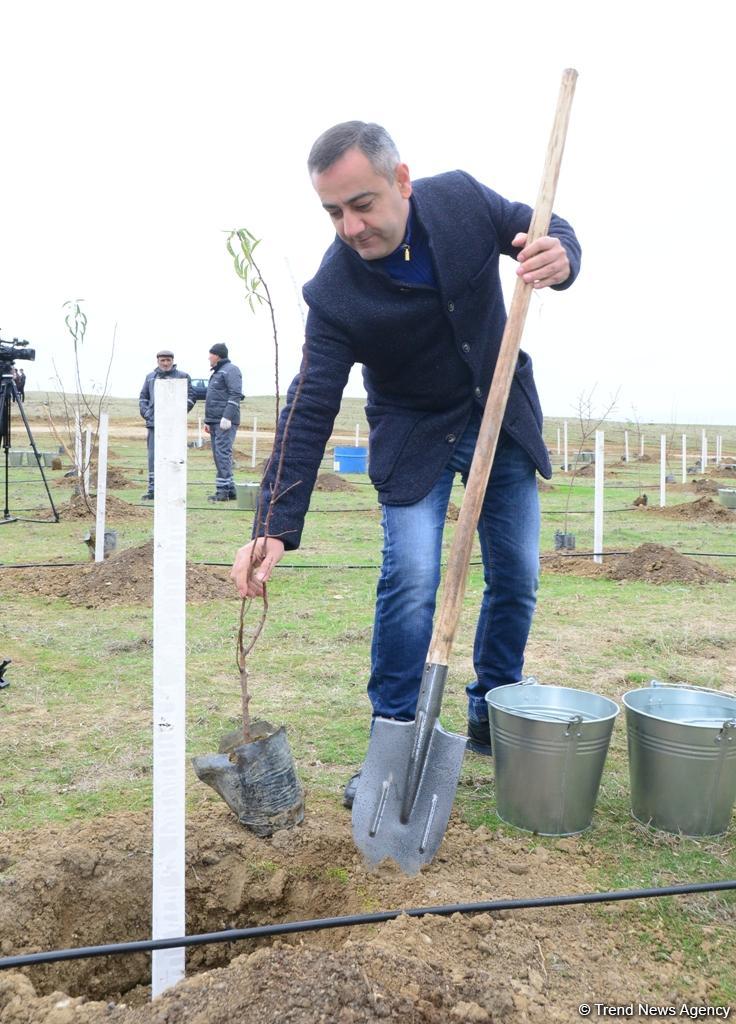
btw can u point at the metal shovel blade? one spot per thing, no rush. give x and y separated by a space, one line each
378 829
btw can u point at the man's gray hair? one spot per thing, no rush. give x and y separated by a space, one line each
371 139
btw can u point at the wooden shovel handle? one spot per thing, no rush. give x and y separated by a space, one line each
457 566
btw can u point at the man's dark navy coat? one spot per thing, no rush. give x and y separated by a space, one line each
428 354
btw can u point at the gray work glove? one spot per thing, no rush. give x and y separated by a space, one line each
225 424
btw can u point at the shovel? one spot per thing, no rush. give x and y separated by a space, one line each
411 771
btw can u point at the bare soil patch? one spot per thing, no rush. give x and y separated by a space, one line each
91 884
572 565
125 578
333 482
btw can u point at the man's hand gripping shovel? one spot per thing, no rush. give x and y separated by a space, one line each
411 771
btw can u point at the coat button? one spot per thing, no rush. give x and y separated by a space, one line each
465 347
478 393
450 439
451 307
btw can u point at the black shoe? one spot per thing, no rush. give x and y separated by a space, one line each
232 495
351 789
148 496
479 737
219 496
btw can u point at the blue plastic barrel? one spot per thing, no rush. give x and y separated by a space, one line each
350 460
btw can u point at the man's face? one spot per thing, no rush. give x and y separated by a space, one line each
164 362
214 360
368 211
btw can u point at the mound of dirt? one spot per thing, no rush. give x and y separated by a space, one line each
333 482
654 563
91 884
649 563
117 480
703 485
703 510
542 485
115 509
125 578
453 512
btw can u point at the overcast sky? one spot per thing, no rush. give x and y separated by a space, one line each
134 135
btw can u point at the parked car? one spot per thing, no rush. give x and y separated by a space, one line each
200 388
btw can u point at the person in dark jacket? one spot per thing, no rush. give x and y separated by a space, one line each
166 368
222 418
410 288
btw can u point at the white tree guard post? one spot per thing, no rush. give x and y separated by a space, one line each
565 462
169 665
598 499
101 487
684 458
199 432
662 470
704 452
87 457
626 446
255 443
78 447
719 449
641 446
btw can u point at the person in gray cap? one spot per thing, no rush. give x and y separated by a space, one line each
222 418
166 368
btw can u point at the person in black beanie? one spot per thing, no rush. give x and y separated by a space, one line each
222 417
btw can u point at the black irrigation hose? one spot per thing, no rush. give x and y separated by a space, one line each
351 921
328 565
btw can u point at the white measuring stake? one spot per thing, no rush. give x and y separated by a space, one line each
641 446
101 487
719 449
565 463
626 446
78 447
662 470
199 432
87 457
559 447
684 458
255 442
598 499
704 452
169 665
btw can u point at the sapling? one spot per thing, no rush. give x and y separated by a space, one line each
241 245
589 422
80 410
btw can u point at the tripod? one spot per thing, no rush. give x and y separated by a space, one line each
8 395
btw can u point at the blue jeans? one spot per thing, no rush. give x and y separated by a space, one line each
508 529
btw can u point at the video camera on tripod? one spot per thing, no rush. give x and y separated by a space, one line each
11 389
15 349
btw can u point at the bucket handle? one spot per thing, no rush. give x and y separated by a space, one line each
690 686
575 722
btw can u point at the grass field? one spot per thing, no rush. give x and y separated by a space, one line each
76 721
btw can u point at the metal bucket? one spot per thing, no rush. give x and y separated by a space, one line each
682 757
247 496
549 747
